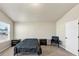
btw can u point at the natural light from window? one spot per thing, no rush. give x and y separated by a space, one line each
4 31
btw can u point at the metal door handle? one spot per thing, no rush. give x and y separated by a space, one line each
65 37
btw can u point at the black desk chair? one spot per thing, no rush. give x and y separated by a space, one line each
55 39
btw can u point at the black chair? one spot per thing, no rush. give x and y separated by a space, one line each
55 39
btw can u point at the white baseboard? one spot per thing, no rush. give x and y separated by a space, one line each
4 45
67 50
4 49
62 47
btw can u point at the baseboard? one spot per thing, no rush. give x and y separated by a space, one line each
62 47
4 45
4 49
67 50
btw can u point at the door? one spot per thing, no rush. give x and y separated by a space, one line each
78 36
72 36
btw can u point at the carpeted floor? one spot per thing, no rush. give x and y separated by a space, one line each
46 51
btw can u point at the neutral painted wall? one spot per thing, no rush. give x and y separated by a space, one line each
35 30
60 31
4 18
73 14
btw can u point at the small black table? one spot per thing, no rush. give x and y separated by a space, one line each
14 42
43 41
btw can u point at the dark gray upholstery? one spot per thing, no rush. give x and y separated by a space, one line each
55 39
28 45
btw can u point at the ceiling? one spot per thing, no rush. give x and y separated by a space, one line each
30 12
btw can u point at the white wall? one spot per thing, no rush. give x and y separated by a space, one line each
73 14
35 30
60 31
4 18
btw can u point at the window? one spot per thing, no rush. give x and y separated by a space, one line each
4 31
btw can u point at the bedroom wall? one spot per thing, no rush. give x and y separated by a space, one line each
6 19
35 30
73 14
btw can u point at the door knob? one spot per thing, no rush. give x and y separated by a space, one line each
65 37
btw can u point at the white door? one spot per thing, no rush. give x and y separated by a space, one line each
72 36
78 36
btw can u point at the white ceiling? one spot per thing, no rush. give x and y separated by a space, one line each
20 12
